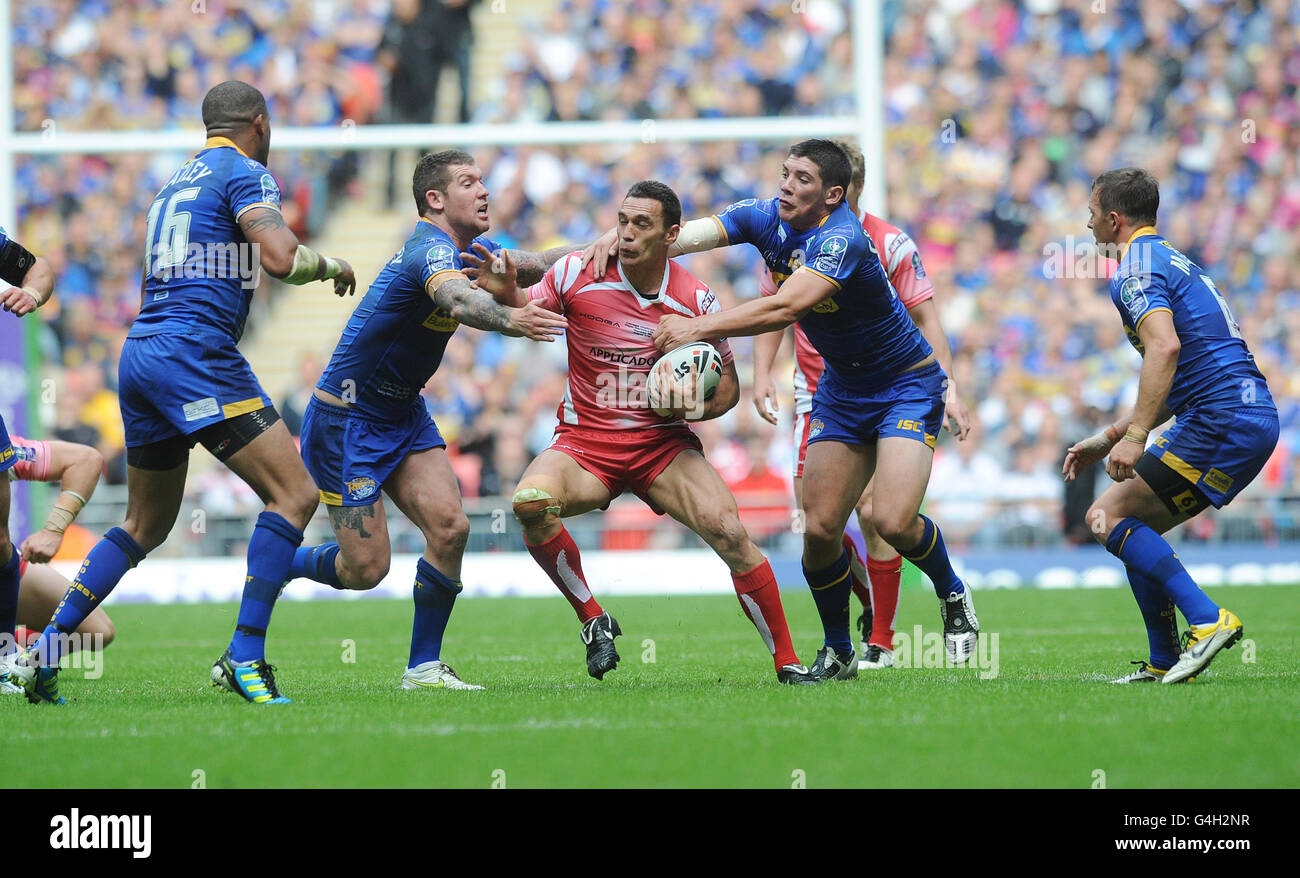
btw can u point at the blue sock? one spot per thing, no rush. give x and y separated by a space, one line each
831 587
435 595
316 563
8 597
100 573
1141 548
270 552
931 556
1159 616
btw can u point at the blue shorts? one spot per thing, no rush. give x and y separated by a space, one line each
8 456
175 384
1219 451
350 455
912 406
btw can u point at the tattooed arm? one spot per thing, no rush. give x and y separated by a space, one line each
284 258
531 266
474 307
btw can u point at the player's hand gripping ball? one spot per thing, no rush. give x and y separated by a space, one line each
704 358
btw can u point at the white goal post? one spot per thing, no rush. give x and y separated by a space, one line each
867 125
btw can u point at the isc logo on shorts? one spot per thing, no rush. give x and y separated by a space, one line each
201 408
360 489
914 426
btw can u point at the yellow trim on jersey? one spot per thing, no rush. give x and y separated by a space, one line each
726 239
1145 230
1148 314
243 407
246 208
837 581
1120 550
214 142
1180 466
330 499
833 281
430 286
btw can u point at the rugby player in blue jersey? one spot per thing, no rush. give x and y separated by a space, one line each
880 403
1197 368
366 429
30 285
183 381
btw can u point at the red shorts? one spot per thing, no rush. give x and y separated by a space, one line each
800 442
626 460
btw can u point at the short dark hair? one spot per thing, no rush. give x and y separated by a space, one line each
431 172
830 159
662 193
856 162
1132 193
232 105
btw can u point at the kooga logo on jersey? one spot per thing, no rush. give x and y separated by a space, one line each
627 359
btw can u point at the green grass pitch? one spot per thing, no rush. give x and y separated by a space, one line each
706 712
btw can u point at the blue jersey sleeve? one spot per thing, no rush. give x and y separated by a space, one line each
439 257
1138 292
745 221
838 254
251 185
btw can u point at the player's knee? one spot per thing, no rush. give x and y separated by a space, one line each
727 536
1100 521
148 535
535 507
818 528
896 528
363 574
301 506
864 507
448 528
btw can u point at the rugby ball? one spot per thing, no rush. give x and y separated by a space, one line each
707 361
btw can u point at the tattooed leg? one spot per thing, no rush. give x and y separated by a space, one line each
364 551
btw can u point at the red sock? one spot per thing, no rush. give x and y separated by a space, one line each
856 573
559 557
884 595
761 600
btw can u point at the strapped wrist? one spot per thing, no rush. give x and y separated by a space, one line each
1136 434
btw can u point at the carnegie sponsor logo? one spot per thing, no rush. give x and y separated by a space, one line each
626 358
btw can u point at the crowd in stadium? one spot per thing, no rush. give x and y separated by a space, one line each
999 114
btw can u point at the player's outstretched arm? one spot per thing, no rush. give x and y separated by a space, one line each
695 235
796 297
284 258
31 277
78 468
495 273
926 317
529 266
474 307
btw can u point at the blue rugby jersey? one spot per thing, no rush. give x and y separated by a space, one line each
1215 368
862 330
200 272
395 339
